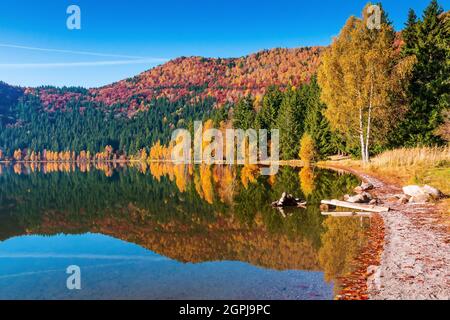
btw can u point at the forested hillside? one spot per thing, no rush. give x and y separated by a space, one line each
9 97
225 80
135 113
369 91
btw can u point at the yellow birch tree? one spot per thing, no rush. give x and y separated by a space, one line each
363 79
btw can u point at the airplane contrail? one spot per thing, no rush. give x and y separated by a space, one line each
91 256
33 273
127 59
88 53
79 64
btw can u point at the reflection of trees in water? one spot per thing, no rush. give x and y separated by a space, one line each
225 182
306 176
189 213
203 183
67 166
249 175
341 243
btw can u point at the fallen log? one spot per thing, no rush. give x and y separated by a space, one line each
347 214
357 206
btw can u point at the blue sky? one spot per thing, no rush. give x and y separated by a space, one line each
135 35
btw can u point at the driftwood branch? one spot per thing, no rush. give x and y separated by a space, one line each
347 214
357 206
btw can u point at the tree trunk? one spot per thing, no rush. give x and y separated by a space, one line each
369 118
361 136
368 135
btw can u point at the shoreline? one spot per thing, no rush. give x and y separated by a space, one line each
68 162
415 256
293 163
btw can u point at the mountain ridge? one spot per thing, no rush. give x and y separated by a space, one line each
223 79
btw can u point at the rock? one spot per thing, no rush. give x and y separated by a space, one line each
326 207
422 194
367 196
282 200
393 198
346 197
353 199
373 202
420 198
433 192
371 269
365 186
364 197
403 199
287 200
413 190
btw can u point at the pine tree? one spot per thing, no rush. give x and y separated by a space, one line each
429 41
268 115
316 125
290 124
244 114
409 33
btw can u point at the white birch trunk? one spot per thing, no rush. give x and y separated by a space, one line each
361 135
369 118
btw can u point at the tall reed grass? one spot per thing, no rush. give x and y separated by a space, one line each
413 157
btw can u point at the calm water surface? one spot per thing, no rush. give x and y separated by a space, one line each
172 232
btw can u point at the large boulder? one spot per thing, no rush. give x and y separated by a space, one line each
420 194
413 190
420 198
433 192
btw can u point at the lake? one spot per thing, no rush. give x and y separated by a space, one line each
164 231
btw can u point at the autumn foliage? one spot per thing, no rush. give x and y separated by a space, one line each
226 80
307 149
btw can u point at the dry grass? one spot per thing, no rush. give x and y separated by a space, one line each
417 165
409 166
412 166
414 157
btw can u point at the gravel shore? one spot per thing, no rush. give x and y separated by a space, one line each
415 263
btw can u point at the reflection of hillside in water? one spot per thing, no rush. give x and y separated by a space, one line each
187 213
